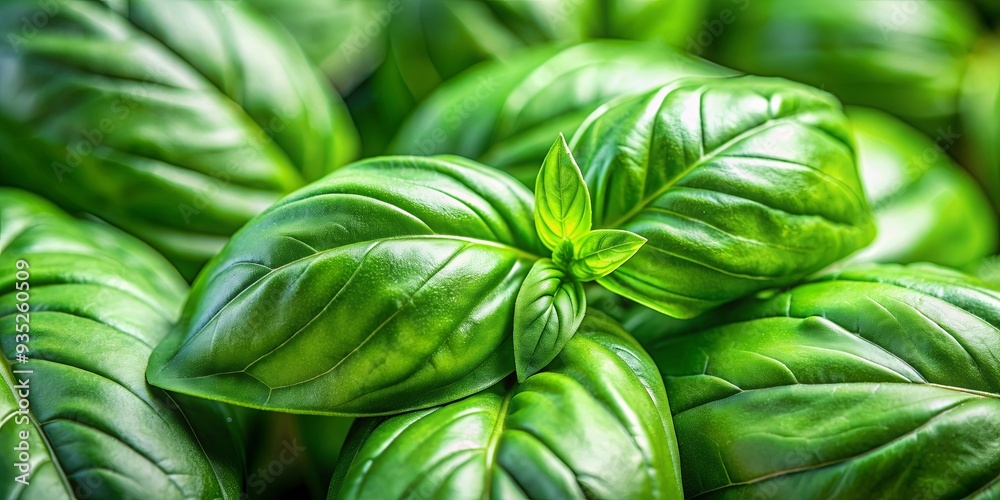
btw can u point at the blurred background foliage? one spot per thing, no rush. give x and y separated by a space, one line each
299 82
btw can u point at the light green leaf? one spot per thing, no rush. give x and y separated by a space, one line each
562 203
549 308
738 184
387 286
598 253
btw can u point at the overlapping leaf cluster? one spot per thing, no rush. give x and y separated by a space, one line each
721 285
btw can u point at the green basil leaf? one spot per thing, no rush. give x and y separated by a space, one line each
593 424
562 203
926 207
506 112
887 54
980 105
549 308
738 184
887 375
97 302
387 286
176 121
598 253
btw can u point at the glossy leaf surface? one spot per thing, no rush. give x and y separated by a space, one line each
506 113
562 204
548 311
926 207
904 58
99 301
598 253
593 424
176 121
875 382
738 184
384 287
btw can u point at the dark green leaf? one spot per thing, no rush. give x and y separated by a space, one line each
387 286
902 57
547 312
877 382
738 184
593 424
562 203
598 253
99 301
926 207
980 106
506 113
336 34
176 121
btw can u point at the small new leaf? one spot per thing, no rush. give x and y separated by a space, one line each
547 312
562 202
599 253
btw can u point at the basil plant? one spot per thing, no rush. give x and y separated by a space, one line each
80 310
440 264
506 112
176 121
835 385
451 270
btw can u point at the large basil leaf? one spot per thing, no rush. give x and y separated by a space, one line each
980 108
387 286
877 382
337 35
99 301
176 121
593 424
739 184
926 207
506 113
903 57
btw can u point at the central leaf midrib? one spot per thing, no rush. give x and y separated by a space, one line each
521 253
639 207
493 442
